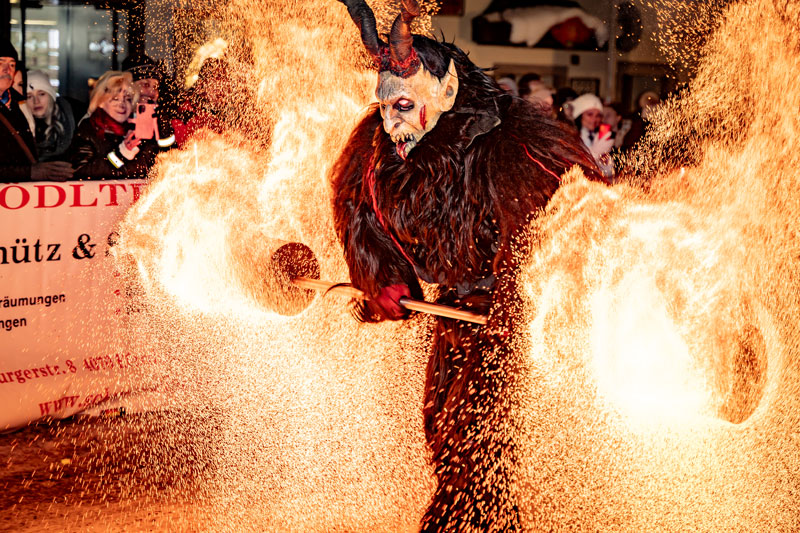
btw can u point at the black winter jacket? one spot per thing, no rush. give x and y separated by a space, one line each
96 138
14 164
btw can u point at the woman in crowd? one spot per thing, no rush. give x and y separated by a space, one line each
53 117
540 94
587 110
104 146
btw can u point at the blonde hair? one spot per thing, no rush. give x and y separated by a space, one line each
108 85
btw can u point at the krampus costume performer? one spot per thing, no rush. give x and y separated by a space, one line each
439 182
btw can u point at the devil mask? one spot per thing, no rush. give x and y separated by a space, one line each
411 98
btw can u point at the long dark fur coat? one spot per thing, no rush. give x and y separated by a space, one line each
464 192
458 207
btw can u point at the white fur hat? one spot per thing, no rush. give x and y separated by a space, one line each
585 102
38 80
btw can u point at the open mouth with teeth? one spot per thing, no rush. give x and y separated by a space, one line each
404 143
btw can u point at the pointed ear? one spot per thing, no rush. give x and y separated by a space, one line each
448 88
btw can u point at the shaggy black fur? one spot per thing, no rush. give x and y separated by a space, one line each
458 205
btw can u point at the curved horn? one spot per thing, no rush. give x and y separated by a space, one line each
400 39
364 18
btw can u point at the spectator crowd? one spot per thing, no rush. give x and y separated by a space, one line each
124 126
607 130
116 135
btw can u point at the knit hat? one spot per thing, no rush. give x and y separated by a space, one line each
584 103
39 81
8 50
141 67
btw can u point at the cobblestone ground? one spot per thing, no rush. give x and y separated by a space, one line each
130 473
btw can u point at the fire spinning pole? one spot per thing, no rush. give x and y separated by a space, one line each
408 303
283 276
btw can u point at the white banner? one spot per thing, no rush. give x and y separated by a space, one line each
63 316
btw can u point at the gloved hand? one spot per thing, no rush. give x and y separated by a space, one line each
600 147
129 146
51 171
387 303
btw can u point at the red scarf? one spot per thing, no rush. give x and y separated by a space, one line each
103 123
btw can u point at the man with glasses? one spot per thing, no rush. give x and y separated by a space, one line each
147 77
18 160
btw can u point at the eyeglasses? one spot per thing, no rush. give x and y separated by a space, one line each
120 99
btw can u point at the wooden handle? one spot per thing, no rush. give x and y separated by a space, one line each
408 303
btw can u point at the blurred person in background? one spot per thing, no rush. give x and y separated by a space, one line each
524 84
105 145
612 115
18 160
597 136
54 120
648 101
205 104
146 76
19 86
540 95
562 100
535 91
508 85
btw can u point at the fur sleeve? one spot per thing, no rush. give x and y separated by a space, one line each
372 258
525 159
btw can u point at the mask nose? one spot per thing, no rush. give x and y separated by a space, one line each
391 119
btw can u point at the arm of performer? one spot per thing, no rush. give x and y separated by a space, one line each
376 265
378 269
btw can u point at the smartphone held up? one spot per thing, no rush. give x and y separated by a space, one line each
145 121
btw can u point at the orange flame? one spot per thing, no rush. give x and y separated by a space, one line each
662 321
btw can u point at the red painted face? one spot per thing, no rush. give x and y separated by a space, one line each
411 106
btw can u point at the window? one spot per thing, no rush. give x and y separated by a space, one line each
72 43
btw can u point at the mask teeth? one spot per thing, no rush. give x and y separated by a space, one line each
405 137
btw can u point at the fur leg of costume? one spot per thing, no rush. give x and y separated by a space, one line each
468 399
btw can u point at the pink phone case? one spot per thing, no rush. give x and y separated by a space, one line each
145 123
